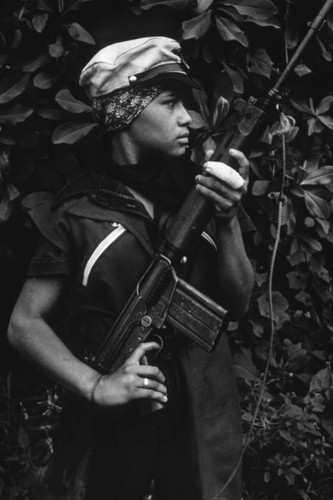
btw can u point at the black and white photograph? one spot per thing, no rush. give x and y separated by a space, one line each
166 250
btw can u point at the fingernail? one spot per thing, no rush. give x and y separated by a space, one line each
165 399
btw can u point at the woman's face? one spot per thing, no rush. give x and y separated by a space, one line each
162 127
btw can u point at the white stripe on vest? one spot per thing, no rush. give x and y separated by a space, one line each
209 239
104 244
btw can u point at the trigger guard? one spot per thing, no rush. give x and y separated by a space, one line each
158 339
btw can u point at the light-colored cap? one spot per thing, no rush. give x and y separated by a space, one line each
124 64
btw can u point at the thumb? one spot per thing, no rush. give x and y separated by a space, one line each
243 163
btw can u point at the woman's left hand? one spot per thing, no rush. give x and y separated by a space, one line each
224 186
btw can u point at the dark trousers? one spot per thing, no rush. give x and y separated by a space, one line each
127 457
189 449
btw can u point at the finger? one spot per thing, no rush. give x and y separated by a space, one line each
220 193
225 204
242 161
152 394
151 372
140 351
224 173
220 188
151 385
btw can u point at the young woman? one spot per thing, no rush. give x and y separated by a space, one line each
98 241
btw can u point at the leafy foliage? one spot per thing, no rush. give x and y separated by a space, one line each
237 49
27 422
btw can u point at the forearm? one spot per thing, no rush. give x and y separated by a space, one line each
39 345
234 270
37 342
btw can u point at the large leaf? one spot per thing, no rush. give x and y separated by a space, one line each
197 26
260 187
230 31
3 59
291 35
78 33
256 10
36 63
173 4
322 380
325 104
236 79
39 21
309 246
298 280
317 202
323 175
326 120
56 49
15 114
74 5
71 132
304 107
302 70
65 99
260 63
221 111
280 305
7 138
203 5
54 114
315 116
45 6
10 89
45 80
327 54
273 22
6 202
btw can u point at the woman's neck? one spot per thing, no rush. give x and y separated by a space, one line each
123 152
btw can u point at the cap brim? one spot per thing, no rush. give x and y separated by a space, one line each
180 77
171 71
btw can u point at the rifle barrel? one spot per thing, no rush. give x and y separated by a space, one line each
314 27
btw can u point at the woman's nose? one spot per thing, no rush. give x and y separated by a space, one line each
185 117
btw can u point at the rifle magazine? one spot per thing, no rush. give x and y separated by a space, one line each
197 316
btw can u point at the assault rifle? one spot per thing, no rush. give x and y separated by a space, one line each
161 298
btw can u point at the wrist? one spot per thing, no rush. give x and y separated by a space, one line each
89 386
93 398
227 224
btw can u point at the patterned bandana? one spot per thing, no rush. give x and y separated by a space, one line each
117 110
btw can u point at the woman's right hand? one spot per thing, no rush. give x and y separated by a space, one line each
133 380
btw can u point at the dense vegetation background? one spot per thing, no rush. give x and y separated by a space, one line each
236 49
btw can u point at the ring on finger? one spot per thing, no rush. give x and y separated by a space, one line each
145 382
